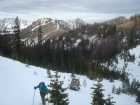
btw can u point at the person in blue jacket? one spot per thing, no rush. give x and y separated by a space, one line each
43 91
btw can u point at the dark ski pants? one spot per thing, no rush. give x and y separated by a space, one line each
43 94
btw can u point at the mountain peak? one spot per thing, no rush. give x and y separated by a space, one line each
50 28
76 23
6 25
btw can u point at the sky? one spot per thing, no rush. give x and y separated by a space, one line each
89 10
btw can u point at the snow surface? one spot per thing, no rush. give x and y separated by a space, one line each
132 68
18 81
77 42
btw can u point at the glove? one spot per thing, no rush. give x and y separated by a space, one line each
34 87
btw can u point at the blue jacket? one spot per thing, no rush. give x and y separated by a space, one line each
43 88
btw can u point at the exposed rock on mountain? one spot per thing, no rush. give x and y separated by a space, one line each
50 28
117 20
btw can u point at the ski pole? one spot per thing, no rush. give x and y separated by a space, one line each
33 97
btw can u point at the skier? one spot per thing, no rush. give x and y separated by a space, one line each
43 91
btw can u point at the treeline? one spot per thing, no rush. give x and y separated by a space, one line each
61 53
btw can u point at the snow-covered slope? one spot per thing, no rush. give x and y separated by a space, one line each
7 24
132 68
18 81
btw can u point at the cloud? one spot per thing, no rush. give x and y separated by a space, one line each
89 10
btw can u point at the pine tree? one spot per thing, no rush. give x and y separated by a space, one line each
5 46
72 75
40 34
97 95
75 83
57 92
113 89
16 39
125 86
104 35
108 100
118 91
122 35
62 62
111 79
49 73
138 97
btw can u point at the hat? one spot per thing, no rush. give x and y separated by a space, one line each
41 83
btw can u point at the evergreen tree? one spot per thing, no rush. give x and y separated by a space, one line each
97 95
114 89
16 39
57 92
5 46
104 34
39 48
118 91
138 97
75 83
122 35
125 85
108 100
49 73
72 75
40 34
99 34
62 63
114 29
111 79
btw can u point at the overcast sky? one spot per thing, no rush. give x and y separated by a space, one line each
88 10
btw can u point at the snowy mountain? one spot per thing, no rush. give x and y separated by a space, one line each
50 28
7 24
77 23
18 81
